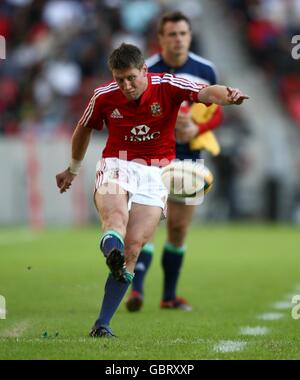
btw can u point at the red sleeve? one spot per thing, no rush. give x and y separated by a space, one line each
182 89
92 116
213 123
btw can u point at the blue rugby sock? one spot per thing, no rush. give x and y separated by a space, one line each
111 240
172 259
141 267
114 292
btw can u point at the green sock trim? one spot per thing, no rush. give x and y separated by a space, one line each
128 277
114 233
173 249
148 248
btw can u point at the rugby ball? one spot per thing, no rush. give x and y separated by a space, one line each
186 178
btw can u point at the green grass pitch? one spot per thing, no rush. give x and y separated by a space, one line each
53 284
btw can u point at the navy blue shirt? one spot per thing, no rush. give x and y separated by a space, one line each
196 69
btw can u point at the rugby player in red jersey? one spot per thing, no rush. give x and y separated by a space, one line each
139 110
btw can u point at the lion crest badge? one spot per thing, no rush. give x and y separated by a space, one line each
156 109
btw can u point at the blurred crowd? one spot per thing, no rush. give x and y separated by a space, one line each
268 27
56 54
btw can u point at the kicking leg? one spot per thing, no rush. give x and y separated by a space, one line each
111 203
113 212
141 224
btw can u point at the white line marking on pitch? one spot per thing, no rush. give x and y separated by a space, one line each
187 341
257 330
270 316
281 305
229 346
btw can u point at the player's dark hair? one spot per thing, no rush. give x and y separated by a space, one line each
172 17
126 56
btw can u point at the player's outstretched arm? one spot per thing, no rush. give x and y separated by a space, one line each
80 142
221 95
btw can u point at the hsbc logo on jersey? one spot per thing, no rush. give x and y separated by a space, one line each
140 130
140 134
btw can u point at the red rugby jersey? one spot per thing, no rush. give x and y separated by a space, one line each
140 129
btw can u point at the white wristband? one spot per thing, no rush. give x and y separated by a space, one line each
74 166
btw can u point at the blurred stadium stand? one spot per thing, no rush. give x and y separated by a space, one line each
56 55
266 188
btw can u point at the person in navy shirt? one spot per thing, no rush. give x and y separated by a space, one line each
175 35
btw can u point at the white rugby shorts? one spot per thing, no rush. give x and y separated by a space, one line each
143 183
